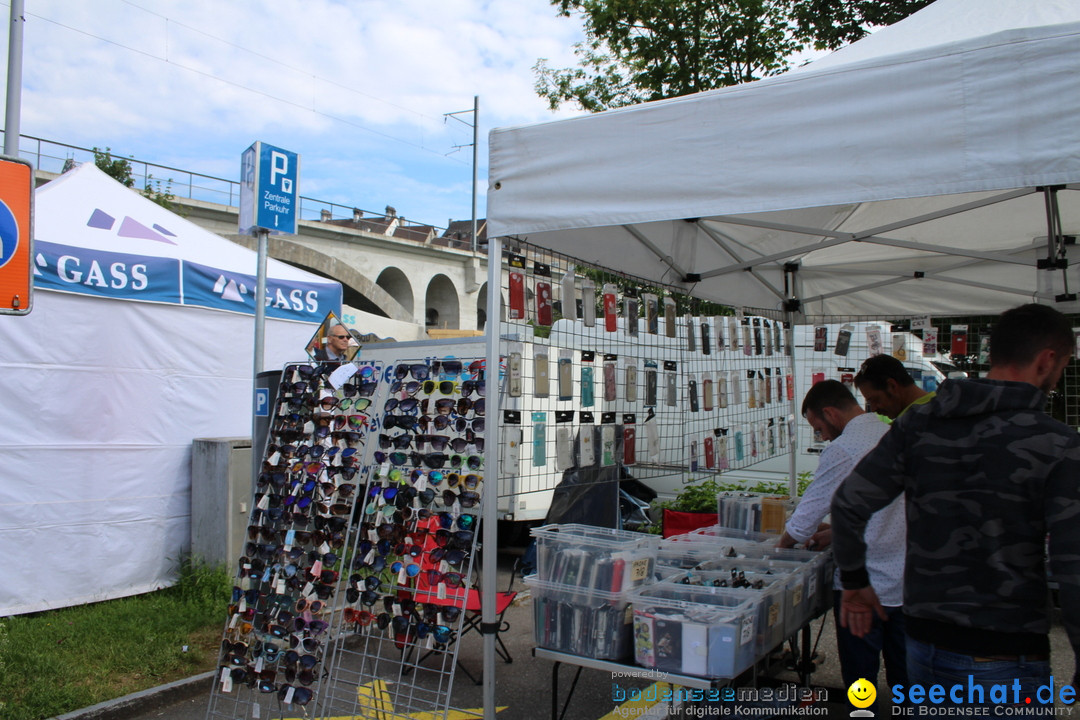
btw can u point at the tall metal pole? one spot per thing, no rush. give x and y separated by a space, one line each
475 144
260 334
14 82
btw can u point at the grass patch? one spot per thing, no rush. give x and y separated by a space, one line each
62 660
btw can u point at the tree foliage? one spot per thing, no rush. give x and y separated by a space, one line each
120 170
640 50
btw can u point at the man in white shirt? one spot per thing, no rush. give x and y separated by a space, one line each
831 410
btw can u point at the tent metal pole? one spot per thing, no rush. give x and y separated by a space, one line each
793 436
489 529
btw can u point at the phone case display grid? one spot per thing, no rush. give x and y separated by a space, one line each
607 371
357 569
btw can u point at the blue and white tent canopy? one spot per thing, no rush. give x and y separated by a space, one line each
96 237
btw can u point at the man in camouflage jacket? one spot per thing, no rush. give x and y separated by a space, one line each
988 475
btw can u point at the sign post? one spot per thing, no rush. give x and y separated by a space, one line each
269 199
16 235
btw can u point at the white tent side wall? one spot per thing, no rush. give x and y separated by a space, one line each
104 399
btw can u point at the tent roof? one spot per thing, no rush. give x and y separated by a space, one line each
901 177
88 216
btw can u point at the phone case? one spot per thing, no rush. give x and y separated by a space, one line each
693 455
607 445
706 337
691 393
722 390
511 449
611 318
631 316
758 345
721 342
747 348
652 438
736 389
722 462
707 392
588 398
781 430
789 386
669 317
566 379
710 453
843 341
539 445
740 449
543 303
848 379
768 339
586 452
631 383
816 377
874 346
564 448
652 323
691 342
751 388
609 382
541 382
650 387
517 295
588 303
514 375
671 398
959 344
733 331
777 335
569 297
629 437
821 338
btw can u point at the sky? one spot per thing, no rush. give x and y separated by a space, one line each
358 88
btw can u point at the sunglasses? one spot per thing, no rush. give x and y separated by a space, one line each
357 617
406 405
447 367
448 521
443 387
454 558
459 540
474 387
449 612
465 498
407 422
340 337
358 404
293 695
478 406
475 424
395 458
396 441
418 372
451 579
409 388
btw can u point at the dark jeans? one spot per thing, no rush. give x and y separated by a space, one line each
970 682
861 657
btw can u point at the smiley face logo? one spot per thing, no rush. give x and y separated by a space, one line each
862 693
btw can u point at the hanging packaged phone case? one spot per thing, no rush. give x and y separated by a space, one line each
767 331
736 388
874 343
692 393
517 295
541 379
652 437
607 445
566 375
539 447
564 448
631 304
569 297
843 341
669 317
650 383
710 453
693 455
609 378
691 334
706 336
722 389
758 342
821 338
751 390
611 317
959 342
587 387
631 383
586 451
588 302
510 448
652 315
760 390
671 397
629 441
707 392
740 449
747 343
733 332
543 302
722 462
513 374
719 324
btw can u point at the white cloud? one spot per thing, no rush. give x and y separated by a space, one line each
358 87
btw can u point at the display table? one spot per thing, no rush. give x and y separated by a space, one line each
804 668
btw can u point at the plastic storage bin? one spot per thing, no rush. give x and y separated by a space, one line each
794 576
820 569
571 619
771 594
701 631
602 559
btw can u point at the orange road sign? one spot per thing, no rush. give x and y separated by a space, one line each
16 235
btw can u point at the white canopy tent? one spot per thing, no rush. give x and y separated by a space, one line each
139 341
900 175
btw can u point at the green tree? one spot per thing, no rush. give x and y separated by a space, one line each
119 169
640 50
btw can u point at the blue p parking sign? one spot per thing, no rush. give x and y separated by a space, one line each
262 402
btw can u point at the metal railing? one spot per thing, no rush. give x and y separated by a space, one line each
51 156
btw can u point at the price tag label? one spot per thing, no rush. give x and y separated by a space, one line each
639 570
747 632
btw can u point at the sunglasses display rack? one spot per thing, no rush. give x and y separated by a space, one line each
401 610
609 375
277 635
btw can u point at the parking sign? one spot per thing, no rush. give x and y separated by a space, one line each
269 179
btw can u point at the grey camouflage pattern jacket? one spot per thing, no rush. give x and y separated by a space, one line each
988 475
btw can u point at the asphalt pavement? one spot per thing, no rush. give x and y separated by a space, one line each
523 687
